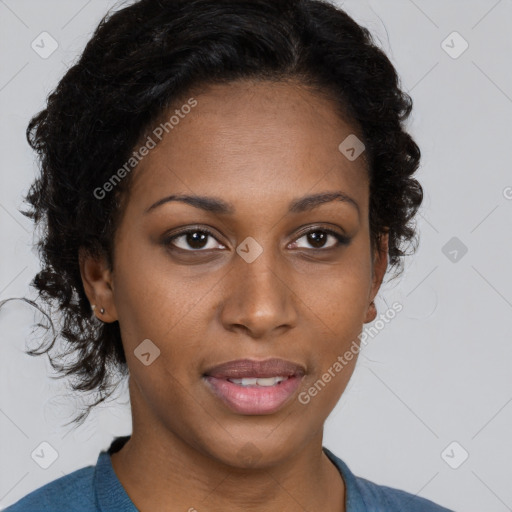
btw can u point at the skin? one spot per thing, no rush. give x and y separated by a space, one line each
257 145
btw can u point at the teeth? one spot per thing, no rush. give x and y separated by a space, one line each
268 381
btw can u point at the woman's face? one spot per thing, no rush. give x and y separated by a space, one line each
258 287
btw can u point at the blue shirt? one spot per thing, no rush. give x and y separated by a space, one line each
97 489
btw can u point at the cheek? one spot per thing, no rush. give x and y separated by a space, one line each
162 306
153 298
337 296
336 307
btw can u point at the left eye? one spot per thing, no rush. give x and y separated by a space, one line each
317 237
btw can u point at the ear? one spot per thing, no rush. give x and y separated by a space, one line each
97 280
380 264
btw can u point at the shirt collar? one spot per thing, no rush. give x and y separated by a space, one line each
111 496
353 499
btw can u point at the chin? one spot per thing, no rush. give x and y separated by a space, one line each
249 452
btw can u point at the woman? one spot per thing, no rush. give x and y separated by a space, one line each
223 185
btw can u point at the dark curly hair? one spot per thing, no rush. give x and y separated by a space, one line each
143 58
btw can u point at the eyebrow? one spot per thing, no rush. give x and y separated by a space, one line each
219 206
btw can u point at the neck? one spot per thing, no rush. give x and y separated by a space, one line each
156 475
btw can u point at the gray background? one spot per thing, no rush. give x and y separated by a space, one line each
438 373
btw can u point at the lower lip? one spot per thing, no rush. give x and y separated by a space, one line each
253 399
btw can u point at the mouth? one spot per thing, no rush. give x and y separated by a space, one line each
252 387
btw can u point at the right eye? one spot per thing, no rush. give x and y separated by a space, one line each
192 240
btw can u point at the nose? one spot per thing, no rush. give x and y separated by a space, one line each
259 297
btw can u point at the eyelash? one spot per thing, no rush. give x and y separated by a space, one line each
341 239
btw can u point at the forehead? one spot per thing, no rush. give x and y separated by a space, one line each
264 140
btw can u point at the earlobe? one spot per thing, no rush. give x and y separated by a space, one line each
371 313
98 285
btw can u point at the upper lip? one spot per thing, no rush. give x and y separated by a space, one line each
240 368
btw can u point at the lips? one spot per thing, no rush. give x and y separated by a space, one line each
280 380
250 368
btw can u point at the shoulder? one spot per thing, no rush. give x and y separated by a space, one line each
396 500
366 496
71 492
89 489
